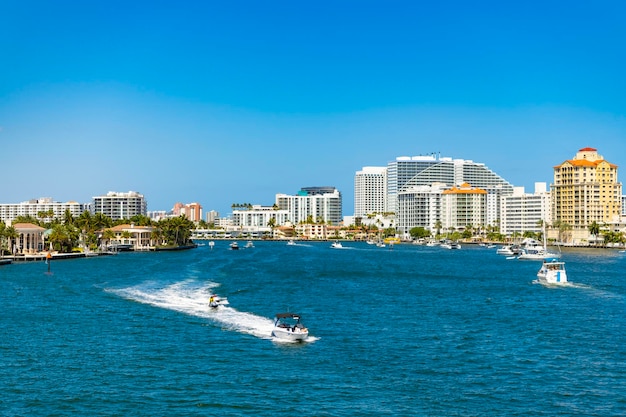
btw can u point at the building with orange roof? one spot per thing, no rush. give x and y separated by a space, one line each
135 237
463 206
585 190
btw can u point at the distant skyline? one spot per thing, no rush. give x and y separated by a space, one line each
235 102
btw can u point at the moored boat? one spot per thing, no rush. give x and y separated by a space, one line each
552 271
234 246
287 326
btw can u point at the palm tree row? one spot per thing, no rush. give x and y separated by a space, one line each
68 232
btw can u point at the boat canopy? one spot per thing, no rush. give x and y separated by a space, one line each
288 315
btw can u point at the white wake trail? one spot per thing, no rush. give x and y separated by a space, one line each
191 297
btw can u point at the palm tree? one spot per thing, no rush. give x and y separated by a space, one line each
108 235
67 217
438 227
60 238
2 237
101 221
594 229
176 231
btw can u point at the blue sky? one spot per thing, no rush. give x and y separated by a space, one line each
236 101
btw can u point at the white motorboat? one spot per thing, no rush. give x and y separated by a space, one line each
449 244
287 326
533 250
234 246
249 244
537 254
552 271
505 250
291 242
509 250
215 301
336 245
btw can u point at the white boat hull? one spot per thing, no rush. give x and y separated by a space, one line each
552 273
290 334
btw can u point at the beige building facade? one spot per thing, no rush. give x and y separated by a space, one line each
585 190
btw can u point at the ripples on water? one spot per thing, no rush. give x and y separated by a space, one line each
408 331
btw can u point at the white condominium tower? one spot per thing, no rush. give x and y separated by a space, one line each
120 205
523 212
406 173
43 208
319 204
370 191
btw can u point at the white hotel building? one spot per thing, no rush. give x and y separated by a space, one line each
419 206
33 208
258 218
523 212
370 191
415 184
120 205
317 203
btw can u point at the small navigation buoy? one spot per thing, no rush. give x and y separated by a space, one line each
48 259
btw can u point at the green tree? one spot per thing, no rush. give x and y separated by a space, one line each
64 237
176 230
10 236
438 227
594 229
26 219
419 232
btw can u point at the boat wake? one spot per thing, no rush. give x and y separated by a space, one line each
191 297
559 284
593 291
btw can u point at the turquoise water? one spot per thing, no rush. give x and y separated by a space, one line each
413 331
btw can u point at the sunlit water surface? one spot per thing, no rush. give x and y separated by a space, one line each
406 331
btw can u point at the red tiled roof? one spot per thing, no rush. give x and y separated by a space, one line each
18 226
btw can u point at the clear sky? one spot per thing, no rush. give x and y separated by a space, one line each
222 102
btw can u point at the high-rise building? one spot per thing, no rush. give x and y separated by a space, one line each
120 205
401 171
43 208
370 191
419 206
312 203
585 190
406 172
463 206
525 212
259 217
192 211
